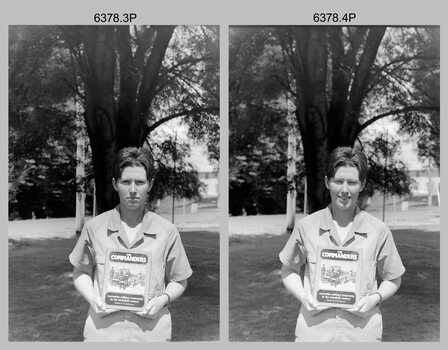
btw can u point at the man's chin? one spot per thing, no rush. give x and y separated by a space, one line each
349 205
133 205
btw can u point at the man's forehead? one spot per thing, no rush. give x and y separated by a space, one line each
346 171
133 171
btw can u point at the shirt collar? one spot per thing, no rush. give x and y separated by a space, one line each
360 226
114 226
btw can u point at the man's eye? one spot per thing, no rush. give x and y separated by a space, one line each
125 182
338 182
140 183
352 183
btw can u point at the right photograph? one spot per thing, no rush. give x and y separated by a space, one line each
334 183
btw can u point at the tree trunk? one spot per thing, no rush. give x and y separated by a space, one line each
331 81
291 174
119 90
311 113
315 148
99 111
80 172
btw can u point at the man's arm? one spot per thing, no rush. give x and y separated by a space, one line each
84 285
293 284
173 290
386 290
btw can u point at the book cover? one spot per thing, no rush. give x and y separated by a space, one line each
338 277
126 279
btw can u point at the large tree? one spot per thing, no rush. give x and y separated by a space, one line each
340 81
134 81
333 72
130 81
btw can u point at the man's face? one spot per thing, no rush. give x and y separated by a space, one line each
132 187
344 187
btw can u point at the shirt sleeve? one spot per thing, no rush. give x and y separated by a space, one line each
82 256
177 266
293 253
389 264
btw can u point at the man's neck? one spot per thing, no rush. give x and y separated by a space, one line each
131 217
343 217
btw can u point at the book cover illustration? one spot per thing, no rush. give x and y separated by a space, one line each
337 277
126 278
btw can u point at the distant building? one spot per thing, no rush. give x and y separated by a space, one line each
210 181
426 182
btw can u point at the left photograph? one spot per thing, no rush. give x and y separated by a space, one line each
113 155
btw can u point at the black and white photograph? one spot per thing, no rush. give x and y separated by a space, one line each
223 174
334 142
113 145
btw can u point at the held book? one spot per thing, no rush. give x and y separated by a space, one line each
126 279
338 277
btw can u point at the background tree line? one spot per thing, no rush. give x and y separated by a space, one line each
123 83
335 82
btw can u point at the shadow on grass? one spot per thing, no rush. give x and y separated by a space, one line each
261 309
44 305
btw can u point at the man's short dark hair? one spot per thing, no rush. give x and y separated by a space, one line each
347 156
131 157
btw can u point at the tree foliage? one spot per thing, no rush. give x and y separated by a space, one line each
386 172
41 146
130 81
175 175
341 80
257 121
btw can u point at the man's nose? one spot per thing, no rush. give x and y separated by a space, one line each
132 188
345 186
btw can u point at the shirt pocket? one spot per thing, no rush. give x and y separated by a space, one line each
156 277
311 263
100 262
368 277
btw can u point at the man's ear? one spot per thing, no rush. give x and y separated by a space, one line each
114 184
326 182
363 185
150 183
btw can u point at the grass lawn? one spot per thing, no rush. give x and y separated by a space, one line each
44 305
262 310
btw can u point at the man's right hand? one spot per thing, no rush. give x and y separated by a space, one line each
311 304
100 307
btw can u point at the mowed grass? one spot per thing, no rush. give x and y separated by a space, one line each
262 310
44 305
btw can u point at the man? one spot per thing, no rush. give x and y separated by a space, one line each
132 227
342 225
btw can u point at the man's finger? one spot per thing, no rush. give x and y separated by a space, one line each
353 309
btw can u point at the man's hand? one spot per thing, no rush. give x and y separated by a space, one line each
153 306
100 307
311 304
365 305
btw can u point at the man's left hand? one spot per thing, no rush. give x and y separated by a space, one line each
153 306
364 305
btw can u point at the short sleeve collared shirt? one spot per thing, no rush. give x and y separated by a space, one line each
379 255
156 236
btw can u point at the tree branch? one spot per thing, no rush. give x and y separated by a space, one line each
285 85
184 113
362 74
150 73
187 61
144 39
397 111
